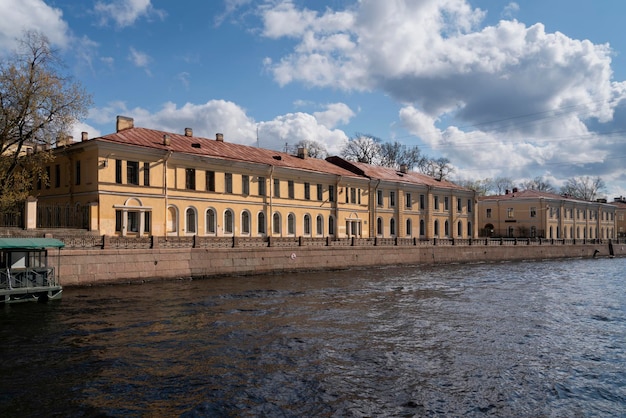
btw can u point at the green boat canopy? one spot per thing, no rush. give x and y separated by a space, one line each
30 243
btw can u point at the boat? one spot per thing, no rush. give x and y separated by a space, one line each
25 274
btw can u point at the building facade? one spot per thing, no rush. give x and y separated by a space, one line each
536 214
141 182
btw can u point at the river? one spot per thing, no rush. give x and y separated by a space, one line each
533 339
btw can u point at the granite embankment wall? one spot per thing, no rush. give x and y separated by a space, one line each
99 266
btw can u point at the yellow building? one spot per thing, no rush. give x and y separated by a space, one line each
620 216
143 182
532 213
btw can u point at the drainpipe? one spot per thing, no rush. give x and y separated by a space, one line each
167 157
270 217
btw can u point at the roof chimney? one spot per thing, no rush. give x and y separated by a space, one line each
166 140
188 132
219 137
84 136
303 153
124 122
506 191
404 168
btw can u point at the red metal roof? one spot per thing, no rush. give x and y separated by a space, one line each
531 194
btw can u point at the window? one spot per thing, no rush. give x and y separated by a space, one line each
190 179
132 172
409 231
459 229
228 182
319 225
261 223
331 193
291 224
146 223
392 226
408 200
276 223
77 173
211 219
469 230
379 197
533 212
118 171
509 212
379 226
392 199
352 195
209 178
57 175
307 191
245 223
320 192
146 174
422 202
290 189
190 216
245 185
331 225
436 228
229 219
446 228
172 219
422 228
276 188
347 195
118 220
307 225
436 202
359 196
261 186
469 205
446 203
459 205
489 213
133 221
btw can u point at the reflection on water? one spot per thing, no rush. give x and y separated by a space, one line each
513 339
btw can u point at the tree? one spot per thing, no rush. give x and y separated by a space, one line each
38 106
500 185
362 148
395 154
315 149
439 168
538 183
584 188
481 187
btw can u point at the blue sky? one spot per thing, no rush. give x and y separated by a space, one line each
515 89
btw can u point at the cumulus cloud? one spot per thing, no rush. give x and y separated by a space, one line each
335 114
536 100
125 12
21 15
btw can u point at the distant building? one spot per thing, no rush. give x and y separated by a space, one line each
620 216
532 213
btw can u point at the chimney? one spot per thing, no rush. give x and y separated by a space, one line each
84 136
188 132
166 140
404 168
219 137
506 191
515 189
124 122
303 153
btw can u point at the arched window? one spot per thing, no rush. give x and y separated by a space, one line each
307 225
392 226
276 223
211 221
409 228
551 233
229 220
436 228
172 219
469 230
459 229
379 226
319 225
331 226
422 228
291 224
261 223
190 221
245 222
446 229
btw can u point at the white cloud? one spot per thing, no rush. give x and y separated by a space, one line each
139 59
510 10
21 15
125 12
335 114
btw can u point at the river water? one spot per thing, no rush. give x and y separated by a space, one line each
540 339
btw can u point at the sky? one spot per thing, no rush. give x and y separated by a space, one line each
502 89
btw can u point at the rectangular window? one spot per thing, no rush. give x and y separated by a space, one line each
209 177
228 182
290 189
190 179
276 188
392 199
469 205
245 184
379 197
347 194
422 202
509 213
261 186
320 192
459 205
307 191
489 213
331 193
57 175
446 203
132 172
146 223
146 174
352 195
436 202
118 220
118 171
533 212
77 173
408 201
359 196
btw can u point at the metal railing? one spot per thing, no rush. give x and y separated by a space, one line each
27 278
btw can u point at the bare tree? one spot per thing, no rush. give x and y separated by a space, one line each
439 168
538 183
584 188
315 149
395 154
362 148
479 186
500 185
38 106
